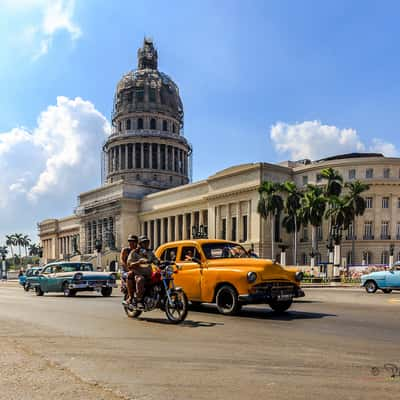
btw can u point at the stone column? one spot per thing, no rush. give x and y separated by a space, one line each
159 156
184 226
228 222
217 222
249 216
150 155
239 223
173 158
192 222
170 231
134 155
162 227
177 227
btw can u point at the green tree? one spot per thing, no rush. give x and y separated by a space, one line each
25 243
313 205
33 249
270 204
18 238
292 220
354 191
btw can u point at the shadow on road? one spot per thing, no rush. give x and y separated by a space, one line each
265 313
185 324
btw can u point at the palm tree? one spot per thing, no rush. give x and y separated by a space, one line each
18 238
313 205
270 204
292 208
33 249
10 242
341 214
355 189
25 243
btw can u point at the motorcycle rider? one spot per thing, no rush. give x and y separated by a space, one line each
127 274
140 263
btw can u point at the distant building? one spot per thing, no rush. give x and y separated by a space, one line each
146 187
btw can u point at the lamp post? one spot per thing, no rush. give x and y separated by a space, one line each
391 255
283 248
3 253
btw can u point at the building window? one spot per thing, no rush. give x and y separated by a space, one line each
304 258
138 156
319 232
305 180
130 156
350 232
146 160
385 230
139 94
130 98
119 126
223 230
369 173
385 258
165 125
368 202
140 123
352 174
145 228
154 156
349 258
173 128
319 178
368 257
234 221
152 95
153 123
128 124
398 231
305 234
244 227
162 156
158 231
169 158
385 202
123 150
386 173
368 230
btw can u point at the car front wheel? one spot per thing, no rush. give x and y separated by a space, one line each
227 300
67 291
371 287
106 291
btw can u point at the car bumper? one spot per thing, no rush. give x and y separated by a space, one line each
265 296
91 285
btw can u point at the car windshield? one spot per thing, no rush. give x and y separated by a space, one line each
224 250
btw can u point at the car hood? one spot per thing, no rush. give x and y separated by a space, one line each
265 268
375 275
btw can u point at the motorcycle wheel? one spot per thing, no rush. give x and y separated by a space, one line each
131 313
176 312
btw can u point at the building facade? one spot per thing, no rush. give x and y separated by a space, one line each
147 187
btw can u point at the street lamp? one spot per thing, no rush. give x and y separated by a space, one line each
3 253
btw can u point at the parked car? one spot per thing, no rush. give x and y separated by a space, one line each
30 277
384 280
73 277
221 272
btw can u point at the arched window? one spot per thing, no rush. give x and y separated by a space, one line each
164 125
128 124
385 257
140 123
153 123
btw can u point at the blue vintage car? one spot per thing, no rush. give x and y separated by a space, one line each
384 280
30 276
72 277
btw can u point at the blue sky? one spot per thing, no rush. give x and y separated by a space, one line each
260 81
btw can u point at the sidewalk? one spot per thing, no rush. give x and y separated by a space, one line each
331 285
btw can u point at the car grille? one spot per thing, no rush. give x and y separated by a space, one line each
274 288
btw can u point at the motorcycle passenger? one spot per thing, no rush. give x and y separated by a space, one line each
127 274
140 262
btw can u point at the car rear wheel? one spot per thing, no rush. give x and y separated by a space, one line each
371 287
39 291
387 291
280 306
106 291
27 287
227 300
67 291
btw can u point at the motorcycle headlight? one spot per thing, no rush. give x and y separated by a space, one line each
251 277
299 276
78 276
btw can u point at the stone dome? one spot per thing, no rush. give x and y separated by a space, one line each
147 89
147 147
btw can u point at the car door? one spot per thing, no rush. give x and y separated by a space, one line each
190 273
54 280
45 277
393 277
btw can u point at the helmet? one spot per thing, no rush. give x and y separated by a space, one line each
143 238
132 238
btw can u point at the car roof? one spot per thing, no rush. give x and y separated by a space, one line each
198 241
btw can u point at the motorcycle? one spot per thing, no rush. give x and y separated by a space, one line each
160 293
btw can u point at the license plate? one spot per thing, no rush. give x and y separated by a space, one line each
284 297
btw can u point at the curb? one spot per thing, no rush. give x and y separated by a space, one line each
331 286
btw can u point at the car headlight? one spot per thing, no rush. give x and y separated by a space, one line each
78 276
299 276
251 277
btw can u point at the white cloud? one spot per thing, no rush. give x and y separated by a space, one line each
44 170
54 16
312 139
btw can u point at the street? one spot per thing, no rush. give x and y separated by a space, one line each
85 347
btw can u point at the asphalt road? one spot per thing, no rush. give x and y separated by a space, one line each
86 348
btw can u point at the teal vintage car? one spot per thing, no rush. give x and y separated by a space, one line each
73 277
30 278
384 280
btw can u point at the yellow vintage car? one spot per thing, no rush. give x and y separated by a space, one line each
221 272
